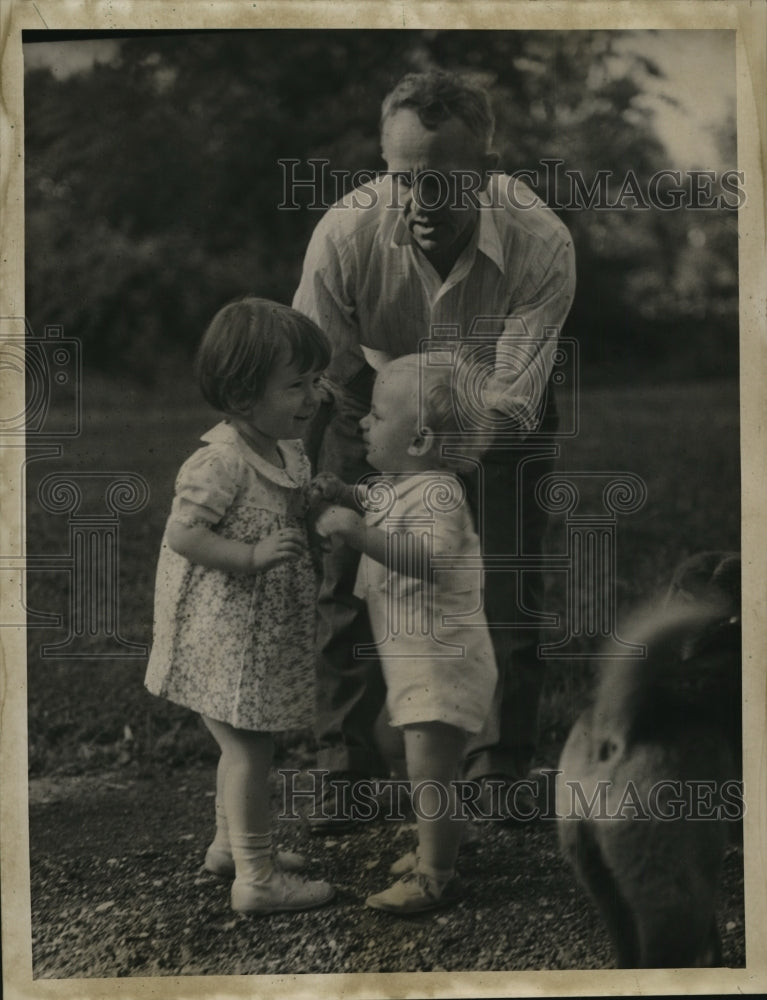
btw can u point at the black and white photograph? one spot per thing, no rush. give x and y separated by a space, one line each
383 580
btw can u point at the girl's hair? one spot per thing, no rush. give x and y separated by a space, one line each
436 387
242 345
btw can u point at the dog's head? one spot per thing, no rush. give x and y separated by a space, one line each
708 578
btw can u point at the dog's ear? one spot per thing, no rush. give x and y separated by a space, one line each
707 577
726 578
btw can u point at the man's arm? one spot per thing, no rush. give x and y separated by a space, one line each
325 296
526 347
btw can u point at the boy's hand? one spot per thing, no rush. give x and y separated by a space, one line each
338 521
286 543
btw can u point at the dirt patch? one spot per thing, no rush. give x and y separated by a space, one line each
118 890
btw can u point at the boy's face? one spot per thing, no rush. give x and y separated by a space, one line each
391 426
433 168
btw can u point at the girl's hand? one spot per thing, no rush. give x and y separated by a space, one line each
286 543
326 488
339 521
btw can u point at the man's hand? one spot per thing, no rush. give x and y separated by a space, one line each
327 388
286 543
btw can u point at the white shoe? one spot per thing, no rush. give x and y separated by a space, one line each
415 893
279 892
218 861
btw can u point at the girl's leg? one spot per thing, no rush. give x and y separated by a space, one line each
222 827
243 790
218 858
260 885
434 753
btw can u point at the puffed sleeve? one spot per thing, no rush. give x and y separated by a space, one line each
206 486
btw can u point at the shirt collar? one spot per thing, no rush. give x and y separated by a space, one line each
488 241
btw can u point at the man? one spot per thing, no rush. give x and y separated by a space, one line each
441 243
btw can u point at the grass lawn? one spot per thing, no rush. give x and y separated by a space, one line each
88 714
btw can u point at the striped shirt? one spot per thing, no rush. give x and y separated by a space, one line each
377 297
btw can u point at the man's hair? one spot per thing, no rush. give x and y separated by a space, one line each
438 95
243 344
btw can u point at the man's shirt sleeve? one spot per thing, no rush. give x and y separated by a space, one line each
526 347
323 296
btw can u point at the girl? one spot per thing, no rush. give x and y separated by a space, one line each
235 597
420 564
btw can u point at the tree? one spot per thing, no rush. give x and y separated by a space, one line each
162 201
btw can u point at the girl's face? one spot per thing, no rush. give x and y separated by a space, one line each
391 426
288 403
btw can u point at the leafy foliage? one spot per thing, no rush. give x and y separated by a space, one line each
154 184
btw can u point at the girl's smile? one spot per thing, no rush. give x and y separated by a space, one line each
283 411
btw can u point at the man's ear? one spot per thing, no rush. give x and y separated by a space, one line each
422 443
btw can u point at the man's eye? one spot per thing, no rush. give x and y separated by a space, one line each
404 179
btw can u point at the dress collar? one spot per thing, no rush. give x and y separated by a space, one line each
225 433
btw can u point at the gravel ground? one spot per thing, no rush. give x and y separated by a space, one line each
118 890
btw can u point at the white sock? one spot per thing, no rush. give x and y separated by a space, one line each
252 854
221 840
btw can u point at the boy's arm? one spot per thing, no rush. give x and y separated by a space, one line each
351 528
328 488
373 542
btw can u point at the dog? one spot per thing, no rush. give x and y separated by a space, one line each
657 762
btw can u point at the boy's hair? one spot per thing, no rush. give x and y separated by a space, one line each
438 95
243 343
435 387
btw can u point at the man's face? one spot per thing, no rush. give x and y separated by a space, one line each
439 205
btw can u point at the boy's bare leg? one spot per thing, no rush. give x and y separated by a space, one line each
434 753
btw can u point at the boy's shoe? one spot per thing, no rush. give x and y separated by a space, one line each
279 892
469 841
219 861
330 811
415 893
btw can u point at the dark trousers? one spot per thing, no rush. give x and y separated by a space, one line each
351 690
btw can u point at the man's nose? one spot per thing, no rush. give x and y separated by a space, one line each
430 192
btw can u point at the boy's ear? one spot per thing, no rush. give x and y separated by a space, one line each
422 443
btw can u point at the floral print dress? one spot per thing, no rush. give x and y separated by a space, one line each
237 647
